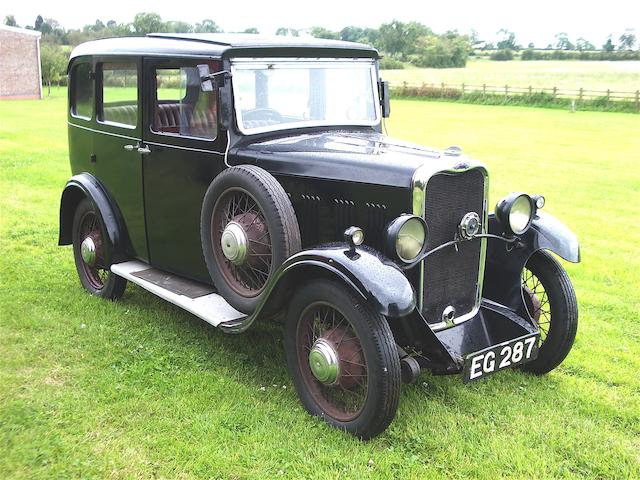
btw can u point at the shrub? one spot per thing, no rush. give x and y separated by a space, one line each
502 55
388 63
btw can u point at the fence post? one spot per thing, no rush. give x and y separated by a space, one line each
555 91
442 91
530 91
608 94
581 92
506 91
404 89
484 89
463 89
638 100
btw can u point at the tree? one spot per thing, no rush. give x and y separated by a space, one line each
400 39
609 46
37 25
10 20
53 63
321 32
627 40
563 42
583 44
253 30
179 27
144 23
287 32
207 26
508 41
531 46
351 34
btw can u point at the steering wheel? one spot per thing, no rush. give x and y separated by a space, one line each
268 114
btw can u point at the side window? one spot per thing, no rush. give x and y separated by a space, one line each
81 91
181 108
120 94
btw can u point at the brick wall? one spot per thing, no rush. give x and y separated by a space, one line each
19 63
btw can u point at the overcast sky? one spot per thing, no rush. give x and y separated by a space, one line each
534 21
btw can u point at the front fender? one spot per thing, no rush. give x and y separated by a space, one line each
505 261
375 278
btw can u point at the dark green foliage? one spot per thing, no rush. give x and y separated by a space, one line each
388 63
502 55
321 32
609 55
534 99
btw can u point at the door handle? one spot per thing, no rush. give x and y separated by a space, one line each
144 150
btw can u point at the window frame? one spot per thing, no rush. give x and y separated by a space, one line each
99 91
177 64
73 83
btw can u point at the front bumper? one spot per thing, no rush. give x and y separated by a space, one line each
444 352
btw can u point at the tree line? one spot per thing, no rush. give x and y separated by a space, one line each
401 43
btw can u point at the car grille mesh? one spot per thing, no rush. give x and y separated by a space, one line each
450 276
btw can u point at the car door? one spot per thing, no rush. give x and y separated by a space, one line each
186 153
117 141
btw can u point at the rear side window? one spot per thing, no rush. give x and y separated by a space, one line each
82 91
120 94
181 107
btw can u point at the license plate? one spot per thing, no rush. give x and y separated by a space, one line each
497 357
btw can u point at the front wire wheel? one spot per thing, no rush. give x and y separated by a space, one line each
550 303
343 359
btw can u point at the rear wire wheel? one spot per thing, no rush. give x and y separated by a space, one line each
551 305
343 359
92 254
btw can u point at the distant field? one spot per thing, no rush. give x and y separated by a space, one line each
617 76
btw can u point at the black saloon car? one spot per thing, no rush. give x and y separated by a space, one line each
245 178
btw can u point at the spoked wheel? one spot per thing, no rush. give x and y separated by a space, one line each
246 254
92 256
551 305
248 229
336 371
343 359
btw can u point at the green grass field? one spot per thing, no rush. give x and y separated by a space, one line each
621 76
141 389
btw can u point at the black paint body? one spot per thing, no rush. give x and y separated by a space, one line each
336 177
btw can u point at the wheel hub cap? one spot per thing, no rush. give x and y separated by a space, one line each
324 362
88 251
234 243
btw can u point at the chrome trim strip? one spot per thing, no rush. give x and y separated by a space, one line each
157 144
421 177
103 132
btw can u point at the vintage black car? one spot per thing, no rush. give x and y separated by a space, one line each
247 178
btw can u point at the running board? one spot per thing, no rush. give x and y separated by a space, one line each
196 298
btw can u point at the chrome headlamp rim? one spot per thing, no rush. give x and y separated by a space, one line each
504 210
393 232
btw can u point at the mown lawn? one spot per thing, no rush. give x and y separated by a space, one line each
618 76
139 388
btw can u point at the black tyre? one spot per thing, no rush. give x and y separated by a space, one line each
551 304
343 359
91 254
248 229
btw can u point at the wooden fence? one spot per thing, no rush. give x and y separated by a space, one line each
445 90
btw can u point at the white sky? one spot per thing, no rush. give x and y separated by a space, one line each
533 21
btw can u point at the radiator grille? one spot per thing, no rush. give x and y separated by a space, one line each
450 276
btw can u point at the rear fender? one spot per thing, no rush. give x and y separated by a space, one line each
85 185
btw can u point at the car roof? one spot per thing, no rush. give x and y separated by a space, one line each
219 44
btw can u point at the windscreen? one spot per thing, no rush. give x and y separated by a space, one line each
282 94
